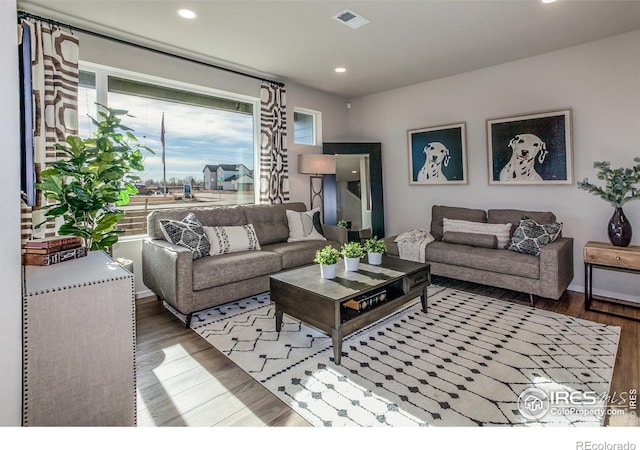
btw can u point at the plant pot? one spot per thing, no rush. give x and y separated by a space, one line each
374 259
328 271
352 264
619 229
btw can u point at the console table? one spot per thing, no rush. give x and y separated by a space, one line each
606 256
79 344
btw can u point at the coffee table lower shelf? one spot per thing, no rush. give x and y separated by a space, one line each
337 320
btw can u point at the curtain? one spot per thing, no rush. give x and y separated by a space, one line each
54 65
274 167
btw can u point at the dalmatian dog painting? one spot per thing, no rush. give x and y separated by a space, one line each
437 156
533 149
526 149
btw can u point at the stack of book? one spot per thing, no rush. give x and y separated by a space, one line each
366 301
53 250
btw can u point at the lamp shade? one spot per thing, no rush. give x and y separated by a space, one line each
317 164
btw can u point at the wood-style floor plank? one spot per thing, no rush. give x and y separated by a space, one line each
183 381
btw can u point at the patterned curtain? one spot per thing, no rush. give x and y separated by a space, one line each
54 64
274 168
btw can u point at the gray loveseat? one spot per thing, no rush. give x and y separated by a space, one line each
193 285
547 275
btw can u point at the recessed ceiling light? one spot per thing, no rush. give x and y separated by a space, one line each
187 14
548 1
340 70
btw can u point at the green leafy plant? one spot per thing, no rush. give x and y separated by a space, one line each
352 250
621 185
327 256
342 223
375 245
94 179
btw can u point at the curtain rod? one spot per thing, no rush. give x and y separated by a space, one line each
23 14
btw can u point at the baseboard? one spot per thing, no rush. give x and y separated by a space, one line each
144 294
607 294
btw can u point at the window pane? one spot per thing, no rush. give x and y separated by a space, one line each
208 156
303 128
86 103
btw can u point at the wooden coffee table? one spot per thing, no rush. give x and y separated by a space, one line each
302 293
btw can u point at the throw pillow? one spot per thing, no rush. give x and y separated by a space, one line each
472 239
530 236
187 233
303 227
502 231
232 239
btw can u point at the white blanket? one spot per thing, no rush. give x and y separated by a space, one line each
412 245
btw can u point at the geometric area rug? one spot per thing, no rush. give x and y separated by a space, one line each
469 361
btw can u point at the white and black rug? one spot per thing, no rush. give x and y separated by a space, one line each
464 363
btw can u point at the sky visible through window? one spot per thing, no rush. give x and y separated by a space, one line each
195 136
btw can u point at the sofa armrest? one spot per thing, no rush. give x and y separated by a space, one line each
167 270
556 267
392 245
335 233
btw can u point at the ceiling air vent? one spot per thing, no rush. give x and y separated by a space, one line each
351 19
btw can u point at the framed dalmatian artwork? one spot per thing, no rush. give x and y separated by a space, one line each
438 155
531 149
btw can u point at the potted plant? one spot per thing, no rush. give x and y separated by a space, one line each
621 186
328 258
375 248
95 178
352 252
343 223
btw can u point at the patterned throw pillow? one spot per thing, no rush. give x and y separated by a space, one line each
187 233
501 231
232 239
530 236
304 226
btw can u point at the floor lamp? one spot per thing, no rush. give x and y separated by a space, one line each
316 165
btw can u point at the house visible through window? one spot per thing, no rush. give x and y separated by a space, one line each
210 142
306 126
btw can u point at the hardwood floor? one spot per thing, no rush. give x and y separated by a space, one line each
183 381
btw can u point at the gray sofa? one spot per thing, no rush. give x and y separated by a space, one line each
193 285
547 275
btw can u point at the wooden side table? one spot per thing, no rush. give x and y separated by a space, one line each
606 256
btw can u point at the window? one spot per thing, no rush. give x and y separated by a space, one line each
209 138
306 126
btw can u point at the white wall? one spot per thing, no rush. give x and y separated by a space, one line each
10 275
334 112
599 81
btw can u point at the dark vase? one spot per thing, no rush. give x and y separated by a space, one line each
619 229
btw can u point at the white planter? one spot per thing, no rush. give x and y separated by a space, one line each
374 258
352 264
328 271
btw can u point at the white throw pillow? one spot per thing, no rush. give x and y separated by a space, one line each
232 239
301 226
501 230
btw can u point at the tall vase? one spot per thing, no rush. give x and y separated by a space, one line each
619 229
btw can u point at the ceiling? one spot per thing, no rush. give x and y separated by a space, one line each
406 42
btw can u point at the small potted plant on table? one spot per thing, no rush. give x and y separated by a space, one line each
328 259
375 248
352 252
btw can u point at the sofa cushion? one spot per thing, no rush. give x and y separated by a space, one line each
490 260
502 231
513 216
211 217
450 212
231 239
270 221
472 239
530 236
219 270
295 254
187 233
304 226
